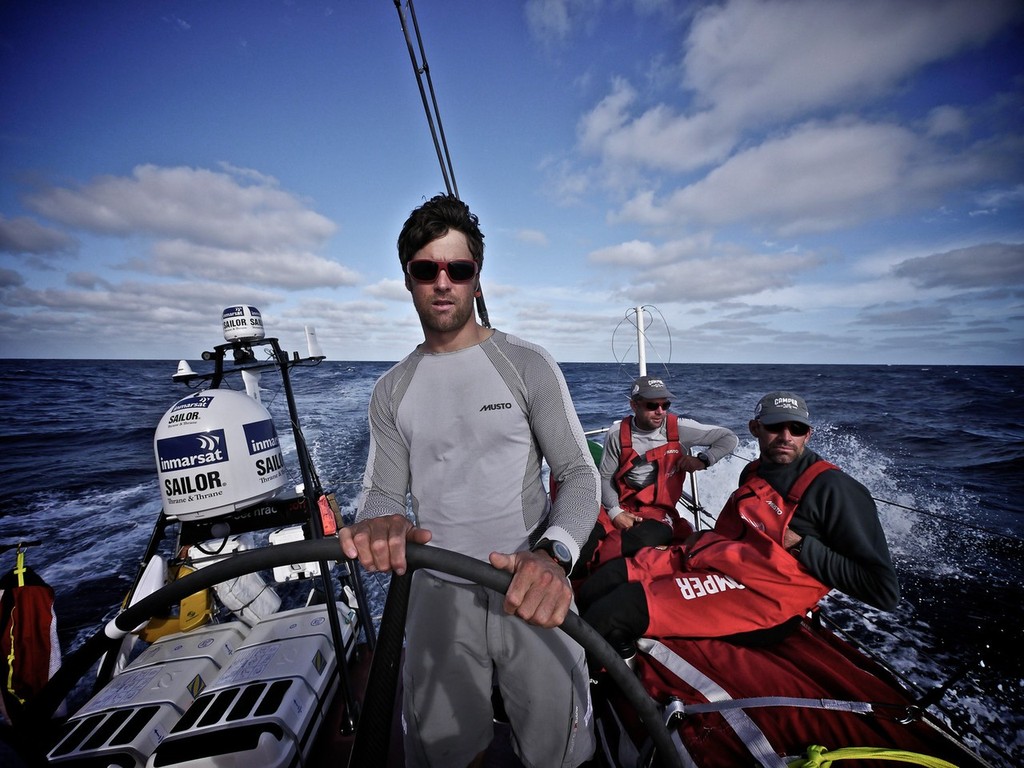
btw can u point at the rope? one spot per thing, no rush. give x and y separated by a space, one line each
960 523
817 757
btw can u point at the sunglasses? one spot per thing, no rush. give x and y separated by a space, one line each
427 270
655 406
796 429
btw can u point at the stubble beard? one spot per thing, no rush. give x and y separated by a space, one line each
646 422
448 322
787 457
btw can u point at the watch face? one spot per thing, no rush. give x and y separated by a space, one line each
561 552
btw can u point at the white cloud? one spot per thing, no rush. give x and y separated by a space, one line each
392 290
532 237
551 21
723 276
9 278
946 120
749 59
660 138
24 235
694 270
287 269
819 177
641 253
634 253
992 265
236 209
750 65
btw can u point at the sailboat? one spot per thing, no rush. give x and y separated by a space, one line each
247 639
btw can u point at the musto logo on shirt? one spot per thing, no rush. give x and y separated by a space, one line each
199 450
692 587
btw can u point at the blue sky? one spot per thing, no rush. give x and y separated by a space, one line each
791 181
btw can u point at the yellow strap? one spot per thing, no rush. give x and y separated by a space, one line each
19 569
817 757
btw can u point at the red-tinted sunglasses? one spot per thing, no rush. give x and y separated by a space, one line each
427 270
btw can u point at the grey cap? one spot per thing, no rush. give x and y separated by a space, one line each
650 388
778 407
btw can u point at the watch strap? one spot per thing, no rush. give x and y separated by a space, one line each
551 547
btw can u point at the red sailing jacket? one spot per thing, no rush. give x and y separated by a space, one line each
658 500
737 577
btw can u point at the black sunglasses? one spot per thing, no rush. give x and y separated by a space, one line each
796 429
655 406
427 270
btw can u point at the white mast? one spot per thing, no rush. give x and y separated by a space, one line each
641 341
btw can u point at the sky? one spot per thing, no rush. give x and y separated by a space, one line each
789 181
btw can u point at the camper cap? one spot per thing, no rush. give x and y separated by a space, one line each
650 388
777 407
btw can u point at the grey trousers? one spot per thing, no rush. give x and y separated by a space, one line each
459 641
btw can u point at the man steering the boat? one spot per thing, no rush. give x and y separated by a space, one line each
459 428
645 462
796 528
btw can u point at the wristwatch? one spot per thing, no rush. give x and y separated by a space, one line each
703 458
558 551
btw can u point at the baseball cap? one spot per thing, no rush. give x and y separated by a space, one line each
650 388
777 407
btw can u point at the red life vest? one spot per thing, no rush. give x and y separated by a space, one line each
736 578
29 648
758 505
656 501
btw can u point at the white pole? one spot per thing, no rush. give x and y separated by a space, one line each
252 384
641 341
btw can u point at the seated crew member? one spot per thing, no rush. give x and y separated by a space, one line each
644 465
796 528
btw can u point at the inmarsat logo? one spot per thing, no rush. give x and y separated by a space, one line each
187 451
260 436
209 442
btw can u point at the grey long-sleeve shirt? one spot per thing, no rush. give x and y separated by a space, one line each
464 433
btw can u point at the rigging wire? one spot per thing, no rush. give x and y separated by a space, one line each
945 518
925 512
421 69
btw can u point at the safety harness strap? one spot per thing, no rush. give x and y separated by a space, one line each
751 736
858 707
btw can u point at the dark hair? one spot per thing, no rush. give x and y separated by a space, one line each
434 219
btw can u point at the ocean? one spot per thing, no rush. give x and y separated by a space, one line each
940 448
